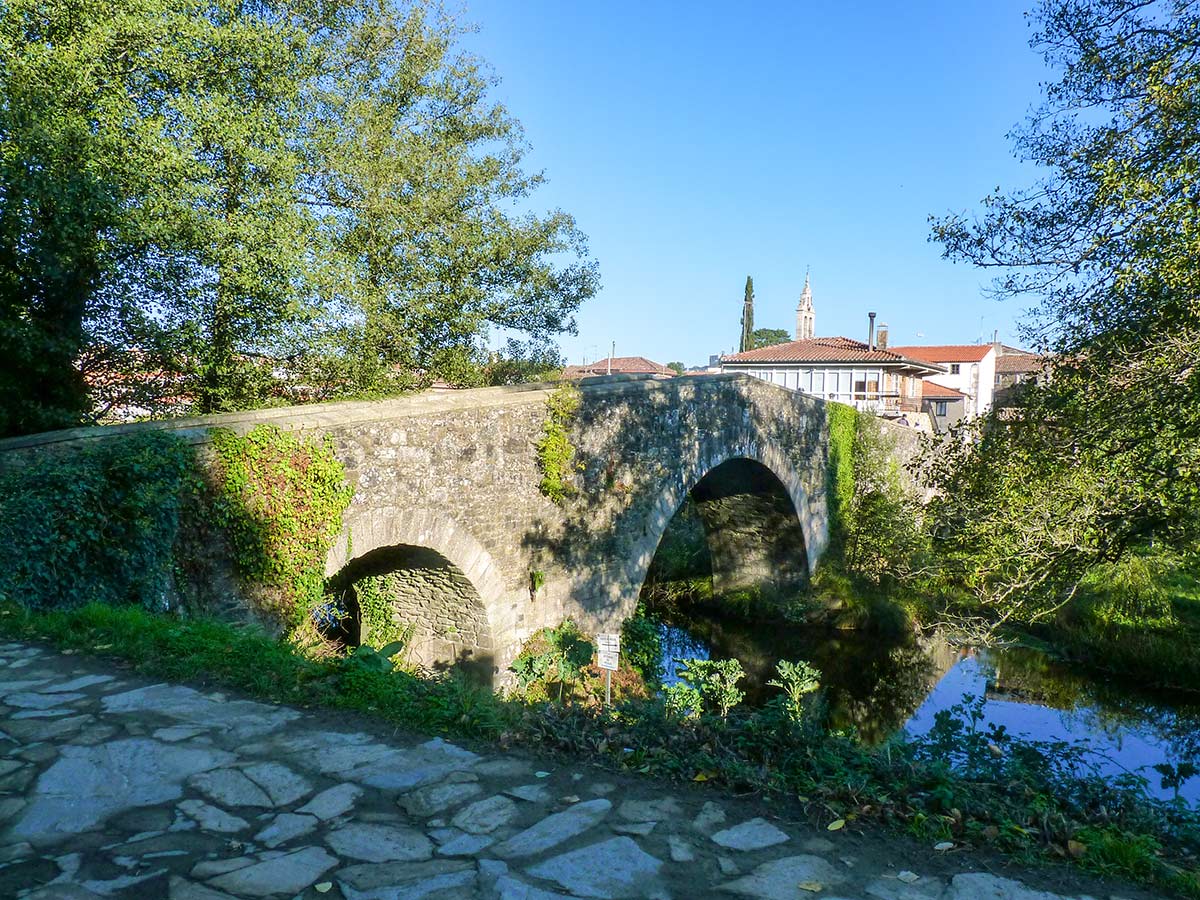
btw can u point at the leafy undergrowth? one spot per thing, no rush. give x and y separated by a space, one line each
959 784
1140 620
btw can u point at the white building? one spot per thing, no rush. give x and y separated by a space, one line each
969 369
864 375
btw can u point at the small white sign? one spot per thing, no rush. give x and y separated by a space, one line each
608 650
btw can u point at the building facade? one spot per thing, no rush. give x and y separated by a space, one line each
969 369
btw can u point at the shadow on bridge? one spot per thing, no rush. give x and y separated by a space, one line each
687 448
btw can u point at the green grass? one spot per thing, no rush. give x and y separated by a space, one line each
1003 802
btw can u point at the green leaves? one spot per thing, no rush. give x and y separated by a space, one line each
1103 456
281 501
96 526
216 206
555 452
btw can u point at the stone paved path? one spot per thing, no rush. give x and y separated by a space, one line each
111 786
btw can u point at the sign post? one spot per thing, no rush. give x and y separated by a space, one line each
608 654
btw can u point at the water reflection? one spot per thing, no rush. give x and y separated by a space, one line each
878 687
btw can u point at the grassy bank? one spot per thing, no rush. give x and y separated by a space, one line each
1157 647
1015 797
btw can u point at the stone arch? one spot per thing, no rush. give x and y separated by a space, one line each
768 473
455 580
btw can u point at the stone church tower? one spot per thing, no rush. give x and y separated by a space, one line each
805 317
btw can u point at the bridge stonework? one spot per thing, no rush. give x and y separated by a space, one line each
453 479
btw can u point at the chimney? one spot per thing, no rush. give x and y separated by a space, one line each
871 332
881 336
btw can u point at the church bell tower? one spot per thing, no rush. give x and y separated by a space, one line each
805 317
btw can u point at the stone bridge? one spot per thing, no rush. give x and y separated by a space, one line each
446 492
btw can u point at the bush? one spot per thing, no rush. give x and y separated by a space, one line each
552 657
96 525
716 680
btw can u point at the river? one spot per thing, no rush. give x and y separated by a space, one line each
879 687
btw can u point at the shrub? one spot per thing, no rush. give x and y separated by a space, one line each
641 645
716 680
97 524
552 656
796 679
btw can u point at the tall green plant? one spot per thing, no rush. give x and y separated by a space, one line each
555 452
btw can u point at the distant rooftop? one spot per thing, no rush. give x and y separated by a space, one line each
620 365
946 353
931 391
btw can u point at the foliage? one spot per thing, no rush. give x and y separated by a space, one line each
281 498
370 659
768 337
555 452
682 701
553 656
841 421
795 679
224 207
877 531
520 362
1104 455
716 680
641 645
746 342
1132 591
677 367
884 533
376 614
1018 801
97 524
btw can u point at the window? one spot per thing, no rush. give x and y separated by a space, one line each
998 377
955 368
818 383
939 407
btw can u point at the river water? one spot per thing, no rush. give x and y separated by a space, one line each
879 687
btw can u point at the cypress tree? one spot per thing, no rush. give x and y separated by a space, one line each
747 341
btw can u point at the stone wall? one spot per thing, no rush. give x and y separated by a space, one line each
457 473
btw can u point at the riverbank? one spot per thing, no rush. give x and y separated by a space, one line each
119 784
958 786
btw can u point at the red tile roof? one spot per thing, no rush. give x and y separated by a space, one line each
1020 362
621 365
946 353
931 391
822 349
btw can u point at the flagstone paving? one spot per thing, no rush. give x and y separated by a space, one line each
112 787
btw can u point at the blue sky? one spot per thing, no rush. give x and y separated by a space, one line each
700 143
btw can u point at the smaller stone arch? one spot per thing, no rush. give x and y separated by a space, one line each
450 586
763 472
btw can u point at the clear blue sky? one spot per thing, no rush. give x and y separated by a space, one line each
700 143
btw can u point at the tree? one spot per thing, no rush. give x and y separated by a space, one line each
1107 243
747 340
768 337
677 367
233 202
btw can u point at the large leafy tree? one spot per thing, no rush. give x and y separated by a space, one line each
214 203
1105 456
